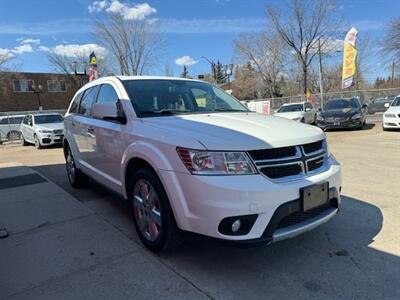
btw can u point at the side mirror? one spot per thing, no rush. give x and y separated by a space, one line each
387 105
109 111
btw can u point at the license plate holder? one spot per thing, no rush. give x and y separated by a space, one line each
314 195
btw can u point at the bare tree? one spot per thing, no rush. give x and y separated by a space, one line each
306 23
266 54
134 44
78 63
4 58
391 43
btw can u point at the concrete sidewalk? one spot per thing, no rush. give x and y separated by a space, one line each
59 249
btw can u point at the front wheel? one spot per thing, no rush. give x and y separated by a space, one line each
75 176
24 142
152 214
37 143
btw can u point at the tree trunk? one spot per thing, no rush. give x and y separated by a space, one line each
305 78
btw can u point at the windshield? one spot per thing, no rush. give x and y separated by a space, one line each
341 104
48 119
166 97
291 108
396 102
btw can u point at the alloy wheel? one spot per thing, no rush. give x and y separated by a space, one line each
147 210
70 166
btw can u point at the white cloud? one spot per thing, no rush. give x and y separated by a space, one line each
185 61
44 49
28 41
26 48
129 12
97 6
76 50
5 54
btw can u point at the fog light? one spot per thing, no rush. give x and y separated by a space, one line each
236 225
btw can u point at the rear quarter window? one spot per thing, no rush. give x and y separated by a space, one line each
75 103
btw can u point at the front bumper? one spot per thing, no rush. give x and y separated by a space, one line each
47 139
342 124
200 203
391 122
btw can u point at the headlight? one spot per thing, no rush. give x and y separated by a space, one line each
45 131
201 162
390 116
320 118
356 116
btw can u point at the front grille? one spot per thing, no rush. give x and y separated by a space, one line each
301 216
279 163
282 170
275 153
312 147
315 163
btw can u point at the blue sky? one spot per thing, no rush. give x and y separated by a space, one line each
192 28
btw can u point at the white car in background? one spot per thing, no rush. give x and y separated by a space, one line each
391 118
302 112
42 129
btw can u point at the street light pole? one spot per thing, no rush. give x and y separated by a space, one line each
212 64
38 90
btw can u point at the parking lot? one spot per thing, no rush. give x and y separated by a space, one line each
355 255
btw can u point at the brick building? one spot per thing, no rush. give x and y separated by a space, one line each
17 90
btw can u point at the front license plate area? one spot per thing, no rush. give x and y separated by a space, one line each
336 123
314 195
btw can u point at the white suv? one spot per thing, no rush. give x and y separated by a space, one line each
190 157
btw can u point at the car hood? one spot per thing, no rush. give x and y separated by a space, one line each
342 113
290 115
393 109
238 131
50 126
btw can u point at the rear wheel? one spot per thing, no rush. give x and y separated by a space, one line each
152 214
75 176
13 135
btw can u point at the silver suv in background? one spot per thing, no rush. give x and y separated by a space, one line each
42 129
10 127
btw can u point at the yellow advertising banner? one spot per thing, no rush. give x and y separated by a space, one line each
349 59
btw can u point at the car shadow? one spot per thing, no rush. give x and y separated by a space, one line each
339 259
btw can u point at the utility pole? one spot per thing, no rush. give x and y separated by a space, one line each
321 87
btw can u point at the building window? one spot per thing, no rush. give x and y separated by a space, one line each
56 86
23 85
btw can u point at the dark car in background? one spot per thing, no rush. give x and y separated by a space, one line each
342 113
380 104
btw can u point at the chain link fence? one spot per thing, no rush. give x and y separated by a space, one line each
10 123
365 96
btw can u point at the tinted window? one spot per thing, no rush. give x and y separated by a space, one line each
107 94
164 97
342 103
16 120
396 102
43 119
291 108
74 105
87 100
4 121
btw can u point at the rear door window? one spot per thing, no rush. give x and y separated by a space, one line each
75 103
87 101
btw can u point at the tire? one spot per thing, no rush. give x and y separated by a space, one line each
302 120
75 176
14 135
151 212
315 120
24 142
37 143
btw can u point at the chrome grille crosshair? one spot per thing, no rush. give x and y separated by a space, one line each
293 162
